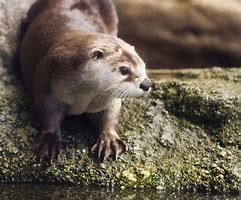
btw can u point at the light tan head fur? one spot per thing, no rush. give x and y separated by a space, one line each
110 68
110 56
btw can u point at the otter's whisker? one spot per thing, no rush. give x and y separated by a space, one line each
121 94
102 102
125 87
109 88
106 100
125 94
113 95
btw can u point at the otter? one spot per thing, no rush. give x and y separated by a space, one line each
74 63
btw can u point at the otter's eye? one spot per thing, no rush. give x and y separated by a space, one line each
98 54
124 70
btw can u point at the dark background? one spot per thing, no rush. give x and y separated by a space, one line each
183 33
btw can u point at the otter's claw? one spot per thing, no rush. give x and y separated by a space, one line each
48 147
104 148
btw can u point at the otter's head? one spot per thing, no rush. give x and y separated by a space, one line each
117 69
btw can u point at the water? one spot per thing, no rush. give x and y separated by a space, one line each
49 192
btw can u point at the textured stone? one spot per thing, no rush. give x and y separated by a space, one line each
185 134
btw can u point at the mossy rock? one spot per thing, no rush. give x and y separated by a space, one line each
184 135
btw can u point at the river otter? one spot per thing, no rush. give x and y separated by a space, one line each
74 63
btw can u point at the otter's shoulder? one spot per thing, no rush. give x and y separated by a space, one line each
101 11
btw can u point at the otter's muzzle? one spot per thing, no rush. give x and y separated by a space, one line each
145 85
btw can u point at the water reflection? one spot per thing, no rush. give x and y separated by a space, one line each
47 192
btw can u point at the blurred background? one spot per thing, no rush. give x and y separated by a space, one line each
183 33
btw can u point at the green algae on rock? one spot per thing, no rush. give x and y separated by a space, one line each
184 135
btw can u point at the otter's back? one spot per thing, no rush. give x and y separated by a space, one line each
47 19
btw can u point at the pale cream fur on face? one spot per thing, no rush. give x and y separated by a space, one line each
101 80
104 77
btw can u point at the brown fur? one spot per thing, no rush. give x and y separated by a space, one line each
47 20
59 65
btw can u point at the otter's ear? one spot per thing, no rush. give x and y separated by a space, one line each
97 54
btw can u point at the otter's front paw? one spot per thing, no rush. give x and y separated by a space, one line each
109 146
47 147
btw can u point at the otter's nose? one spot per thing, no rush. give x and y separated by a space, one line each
145 85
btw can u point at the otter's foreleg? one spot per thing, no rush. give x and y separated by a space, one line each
109 143
49 144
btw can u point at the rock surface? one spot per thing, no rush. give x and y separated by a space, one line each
183 33
185 135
